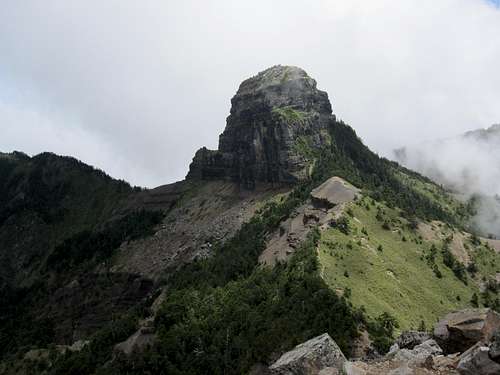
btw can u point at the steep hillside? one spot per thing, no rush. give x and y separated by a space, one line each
417 274
198 215
45 199
60 218
293 228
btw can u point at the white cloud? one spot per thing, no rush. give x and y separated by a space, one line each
137 87
470 165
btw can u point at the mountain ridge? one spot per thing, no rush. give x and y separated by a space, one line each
183 267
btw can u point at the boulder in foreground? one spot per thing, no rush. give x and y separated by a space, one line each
460 330
320 355
477 361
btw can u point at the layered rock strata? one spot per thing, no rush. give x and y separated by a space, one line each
278 121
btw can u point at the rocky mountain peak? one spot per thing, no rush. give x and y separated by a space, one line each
278 119
282 86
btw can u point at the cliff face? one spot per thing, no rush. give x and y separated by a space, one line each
278 120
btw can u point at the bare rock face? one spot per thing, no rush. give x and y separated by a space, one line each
325 207
320 355
460 330
212 212
333 192
278 118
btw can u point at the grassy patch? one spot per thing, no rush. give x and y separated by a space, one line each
383 264
290 115
486 259
436 194
303 147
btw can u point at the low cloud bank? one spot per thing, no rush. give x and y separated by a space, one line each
469 165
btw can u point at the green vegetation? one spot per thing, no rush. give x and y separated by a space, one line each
100 348
436 194
485 259
303 147
246 320
225 313
350 159
238 256
342 224
18 327
486 265
100 245
491 295
86 361
452 263
15 330
382 331
45 200
431 261
61 208
289 115
407 279
209 329
53 187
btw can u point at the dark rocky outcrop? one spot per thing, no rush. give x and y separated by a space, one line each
477 361
460 330
278 119
495 346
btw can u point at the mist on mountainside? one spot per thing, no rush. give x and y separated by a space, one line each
469 165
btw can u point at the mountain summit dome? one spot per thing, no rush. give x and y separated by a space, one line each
278 120
282 86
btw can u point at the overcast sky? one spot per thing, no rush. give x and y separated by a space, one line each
135 87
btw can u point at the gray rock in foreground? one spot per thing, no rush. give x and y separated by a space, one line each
460 330
476 361
495 346
410 339
318 355
418 356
